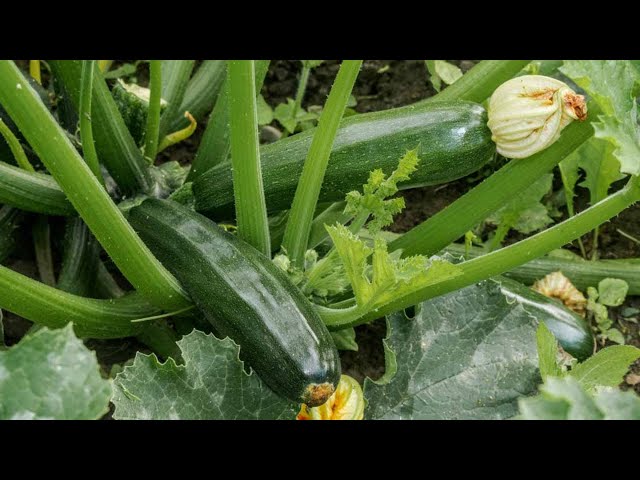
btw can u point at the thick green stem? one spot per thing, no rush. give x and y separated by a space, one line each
175 78
84 191
479 83
160 338
116 148
54 308
214 146
467 211
152 129
32 191
582 273
86 129
501 260
251 210
296 235
41 233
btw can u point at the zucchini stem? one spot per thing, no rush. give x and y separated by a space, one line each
251 209
86 129
296 235
152 130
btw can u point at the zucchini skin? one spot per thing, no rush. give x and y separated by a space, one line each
245 296
571 330
453 139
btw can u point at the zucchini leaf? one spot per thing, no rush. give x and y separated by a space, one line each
565 399
525 213
606 368
469 354
389 276
547 346
613 85
374 199
211 384
50 374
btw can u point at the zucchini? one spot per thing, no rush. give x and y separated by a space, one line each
571 330
245 296
453 137
80 259
133 102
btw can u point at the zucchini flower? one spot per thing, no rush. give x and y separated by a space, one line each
528 113
556 285
346 403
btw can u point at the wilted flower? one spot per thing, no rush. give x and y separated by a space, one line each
347 403
527 114
556 285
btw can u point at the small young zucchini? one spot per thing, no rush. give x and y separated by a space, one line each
453 139
133 103
245 296
571 330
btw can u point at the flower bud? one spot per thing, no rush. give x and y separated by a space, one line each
527 114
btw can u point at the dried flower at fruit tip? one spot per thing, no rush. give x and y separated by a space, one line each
347 403
528 113
556 285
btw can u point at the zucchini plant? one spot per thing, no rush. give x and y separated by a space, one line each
271 254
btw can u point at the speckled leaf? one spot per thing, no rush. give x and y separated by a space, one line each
51 375
469 354
565 399
210 385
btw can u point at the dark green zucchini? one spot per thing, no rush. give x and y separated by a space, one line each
453 140
80 259
133 102
571 330
245 296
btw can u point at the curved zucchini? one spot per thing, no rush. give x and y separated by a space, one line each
32 191
245 296
453 137
571 330
80 259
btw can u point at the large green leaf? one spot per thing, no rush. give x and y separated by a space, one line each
605 368
51 375
210 385
565 399
612 84
469 354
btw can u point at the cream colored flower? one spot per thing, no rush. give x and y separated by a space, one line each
527 114
556 285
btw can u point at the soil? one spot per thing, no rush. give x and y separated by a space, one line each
382 84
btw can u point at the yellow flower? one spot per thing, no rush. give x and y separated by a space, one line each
347 403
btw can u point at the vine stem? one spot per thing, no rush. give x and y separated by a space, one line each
152 130
499 261
305 200
86 129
